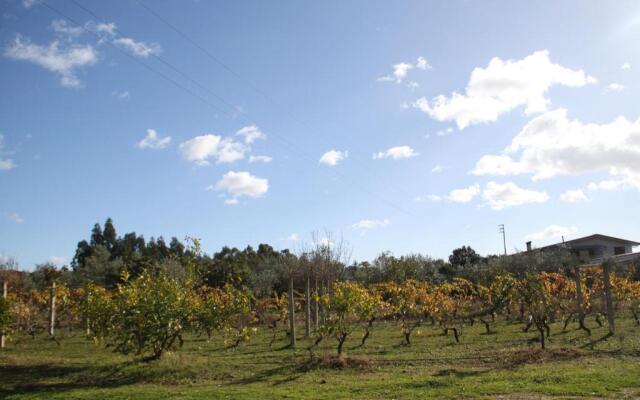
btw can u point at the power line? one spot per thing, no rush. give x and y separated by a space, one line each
211 56
286 142
285 110
145 65
242 114
161 60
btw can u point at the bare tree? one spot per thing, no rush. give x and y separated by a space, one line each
329 255
305 268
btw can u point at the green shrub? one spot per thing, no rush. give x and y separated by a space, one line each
150 314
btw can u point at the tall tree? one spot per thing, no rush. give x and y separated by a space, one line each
464 256
109 235
96 235
99 268
175 247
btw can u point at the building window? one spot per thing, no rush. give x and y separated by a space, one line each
619 250
584 255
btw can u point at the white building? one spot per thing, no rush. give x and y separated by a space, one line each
596 247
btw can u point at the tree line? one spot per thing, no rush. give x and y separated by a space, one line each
106 255
140 296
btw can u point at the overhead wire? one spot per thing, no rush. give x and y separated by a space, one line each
281 108
292 147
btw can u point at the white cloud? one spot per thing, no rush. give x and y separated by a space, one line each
464 195
251 133
294 237
63 60
201 148
105 32
497 165
552 145
368 224
62 27
153 141
437 169
241 184
15 217
58 261
264 159
626 66
327 242
552 232
615 87
229 151
400 71
501 87
139 49
333 157
65 56
609 184
422 63
444 132
499 196
573 196
30 3
120 94
6 164
396 153
108 28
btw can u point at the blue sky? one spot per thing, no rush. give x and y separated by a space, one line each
405 126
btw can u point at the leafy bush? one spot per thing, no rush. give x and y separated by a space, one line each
226 309
348 303
149 314
99 311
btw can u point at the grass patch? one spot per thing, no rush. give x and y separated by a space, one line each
507 363
335 362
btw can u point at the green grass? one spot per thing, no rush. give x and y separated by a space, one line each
506 363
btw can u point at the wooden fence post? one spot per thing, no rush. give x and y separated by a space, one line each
316 306
322 310
87 323
307 301
3 336
292 315
606 266
52 309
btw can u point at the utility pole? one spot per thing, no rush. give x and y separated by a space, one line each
307 305
292 314
504 239
3 336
